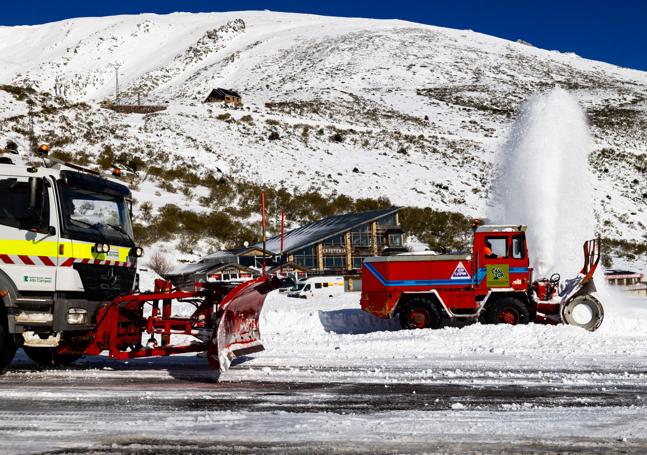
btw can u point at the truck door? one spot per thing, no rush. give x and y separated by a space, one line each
28 232
519 276
495 259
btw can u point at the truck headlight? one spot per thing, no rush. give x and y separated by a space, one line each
136 251
101 247
77 316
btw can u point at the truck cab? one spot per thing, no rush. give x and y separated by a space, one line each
500 259
66 248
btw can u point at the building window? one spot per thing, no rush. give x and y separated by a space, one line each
387 220
306 257
337 240
395 240
361 236
334 262
358 261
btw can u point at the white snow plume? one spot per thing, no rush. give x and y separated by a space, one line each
544 181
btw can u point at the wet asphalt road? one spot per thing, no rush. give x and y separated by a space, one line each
111 408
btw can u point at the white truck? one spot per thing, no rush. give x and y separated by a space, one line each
66 248
318 285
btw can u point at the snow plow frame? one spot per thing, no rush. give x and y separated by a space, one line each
223 313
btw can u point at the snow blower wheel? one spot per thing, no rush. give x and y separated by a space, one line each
508 311
420 314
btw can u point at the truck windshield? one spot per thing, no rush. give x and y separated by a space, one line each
298 287
96 217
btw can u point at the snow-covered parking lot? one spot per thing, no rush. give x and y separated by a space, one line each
333 379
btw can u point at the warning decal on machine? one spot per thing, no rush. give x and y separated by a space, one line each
460 272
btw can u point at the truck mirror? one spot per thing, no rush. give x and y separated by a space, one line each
33 193
37 206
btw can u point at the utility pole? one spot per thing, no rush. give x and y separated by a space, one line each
32 138
116 66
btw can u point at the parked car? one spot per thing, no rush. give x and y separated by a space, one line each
319 285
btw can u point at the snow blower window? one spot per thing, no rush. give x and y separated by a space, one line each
499 246
518 251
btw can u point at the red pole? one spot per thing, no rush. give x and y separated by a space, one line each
282 236
263 221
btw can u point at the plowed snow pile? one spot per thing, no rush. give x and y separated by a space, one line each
335 338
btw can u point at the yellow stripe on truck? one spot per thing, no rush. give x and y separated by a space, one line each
86 251
29 248
77 250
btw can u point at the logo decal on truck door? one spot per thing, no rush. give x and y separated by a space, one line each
498 275
460 272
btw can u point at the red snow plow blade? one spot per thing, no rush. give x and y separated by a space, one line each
224 323
237 332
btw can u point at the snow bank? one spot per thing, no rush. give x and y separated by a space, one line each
333 338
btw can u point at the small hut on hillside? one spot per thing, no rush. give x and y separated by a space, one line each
224 96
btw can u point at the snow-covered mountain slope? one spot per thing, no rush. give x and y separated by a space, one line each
362 107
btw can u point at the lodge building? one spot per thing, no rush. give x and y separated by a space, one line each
339 244
336 245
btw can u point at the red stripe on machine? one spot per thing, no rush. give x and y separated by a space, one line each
68 262
47 261
26 259
6 259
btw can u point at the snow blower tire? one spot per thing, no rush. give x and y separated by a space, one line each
507 310
420 314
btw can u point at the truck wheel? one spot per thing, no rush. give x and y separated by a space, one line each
420 314
48 357
7 348
508 311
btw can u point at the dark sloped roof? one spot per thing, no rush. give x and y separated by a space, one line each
323 229
219 93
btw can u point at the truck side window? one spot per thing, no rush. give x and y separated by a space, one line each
518 251
499 246
307 288
317 285
14 204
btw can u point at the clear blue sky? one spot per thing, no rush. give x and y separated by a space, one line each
611 31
